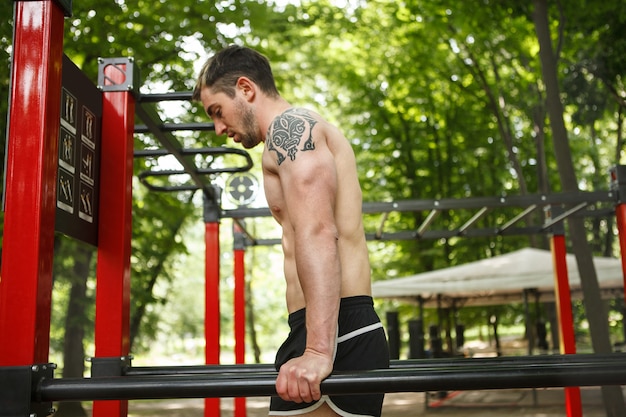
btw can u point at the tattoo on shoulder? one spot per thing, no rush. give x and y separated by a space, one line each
286 135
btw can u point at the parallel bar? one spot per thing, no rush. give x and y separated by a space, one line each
415 364
484 376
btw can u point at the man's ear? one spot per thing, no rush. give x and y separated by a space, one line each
247 88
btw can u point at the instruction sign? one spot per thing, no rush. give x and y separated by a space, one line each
79 156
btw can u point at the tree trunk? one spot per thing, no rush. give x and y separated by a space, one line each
75 322
594 308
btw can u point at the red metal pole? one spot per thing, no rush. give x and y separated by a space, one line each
618 186
573 403
240 310
620 212
212 307
112 322
30 193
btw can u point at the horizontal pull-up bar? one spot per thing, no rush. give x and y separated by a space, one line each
587 371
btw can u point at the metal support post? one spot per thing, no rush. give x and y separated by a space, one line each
618 186
112 324
212 208
573 404
239 246
30 188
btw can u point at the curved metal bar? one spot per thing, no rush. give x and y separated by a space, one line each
217 151
143 178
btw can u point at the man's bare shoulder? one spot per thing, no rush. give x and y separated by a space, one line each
292 132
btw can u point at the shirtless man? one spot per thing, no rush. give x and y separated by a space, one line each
312 189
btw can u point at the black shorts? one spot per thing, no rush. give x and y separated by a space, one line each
361 345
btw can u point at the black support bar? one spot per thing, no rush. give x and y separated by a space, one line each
177 127
582 204
587 370
171 96
414 364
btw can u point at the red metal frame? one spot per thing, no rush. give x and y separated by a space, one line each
112 324
620 213
563 297
212 307
30 193
240 316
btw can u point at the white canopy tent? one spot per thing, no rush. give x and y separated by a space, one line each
499 280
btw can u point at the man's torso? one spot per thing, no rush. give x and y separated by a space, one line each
347 212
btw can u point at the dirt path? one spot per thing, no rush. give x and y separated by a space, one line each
487 403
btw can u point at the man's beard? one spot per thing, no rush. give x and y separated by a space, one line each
249 138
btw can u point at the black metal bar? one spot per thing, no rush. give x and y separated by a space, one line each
172 96
218 150
394 364
461 203
476 217
491 202
582 199
563 215
152 120
588 371
427 222
517 218
176 127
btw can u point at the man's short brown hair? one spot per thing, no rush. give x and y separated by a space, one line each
222 70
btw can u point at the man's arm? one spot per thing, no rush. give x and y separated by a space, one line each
308 180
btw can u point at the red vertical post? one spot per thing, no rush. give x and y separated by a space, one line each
618 186
112 323
563 295
620 216
573 404
240 308
30 192
620 213
212 291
